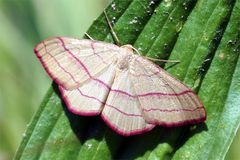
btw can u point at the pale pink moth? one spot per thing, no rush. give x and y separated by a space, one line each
131 93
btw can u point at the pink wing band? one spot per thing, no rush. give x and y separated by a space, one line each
145 110
119 131
59 64
78 60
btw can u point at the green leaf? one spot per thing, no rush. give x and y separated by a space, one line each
204 36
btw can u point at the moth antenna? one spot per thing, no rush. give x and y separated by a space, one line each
111 28
86 34
153 59
136 50
130 46
163 60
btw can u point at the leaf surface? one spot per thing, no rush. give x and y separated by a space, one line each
204 36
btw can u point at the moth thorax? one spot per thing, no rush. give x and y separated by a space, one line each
123 61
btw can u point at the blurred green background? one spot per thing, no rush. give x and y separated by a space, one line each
24 23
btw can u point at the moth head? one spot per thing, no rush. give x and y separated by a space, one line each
128 47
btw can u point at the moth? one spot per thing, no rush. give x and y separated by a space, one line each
129 92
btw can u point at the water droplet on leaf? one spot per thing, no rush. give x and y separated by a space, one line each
113 6
179 26
167 3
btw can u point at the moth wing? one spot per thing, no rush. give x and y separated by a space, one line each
71 62
90 98
164 100
122 110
